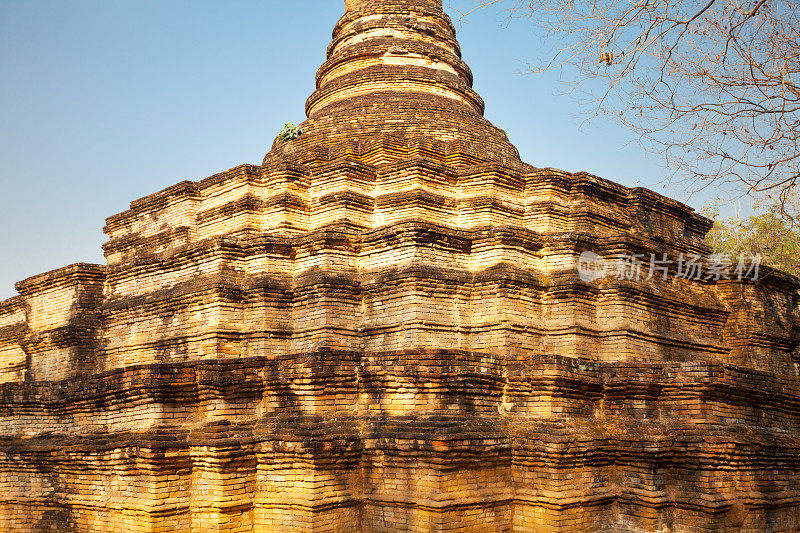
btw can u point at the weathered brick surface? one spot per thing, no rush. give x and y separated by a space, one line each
382 329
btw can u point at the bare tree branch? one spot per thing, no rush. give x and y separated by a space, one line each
711 83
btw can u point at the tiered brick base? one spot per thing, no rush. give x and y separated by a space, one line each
388 333
579 446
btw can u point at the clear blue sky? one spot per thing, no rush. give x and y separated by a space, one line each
103 102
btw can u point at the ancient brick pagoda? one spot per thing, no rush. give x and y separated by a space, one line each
382 329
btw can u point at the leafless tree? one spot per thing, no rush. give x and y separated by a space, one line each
714 83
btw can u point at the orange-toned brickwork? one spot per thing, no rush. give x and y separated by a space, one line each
383 328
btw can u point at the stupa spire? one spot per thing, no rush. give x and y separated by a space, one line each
394 45
409 5
394 67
